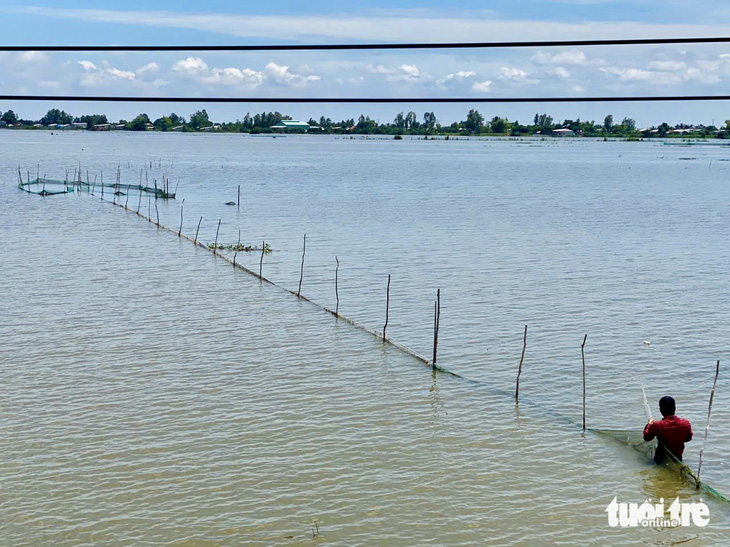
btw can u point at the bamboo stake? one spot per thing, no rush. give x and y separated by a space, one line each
237 246
522 358
261 261
157 213
215 245
139 201
436 321
239 196
583 358
301 272
197 230
337 294
179 232
707 428
387 307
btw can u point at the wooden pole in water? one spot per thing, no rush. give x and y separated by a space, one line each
707 428
436 321
157 213
522 358
337 294
261 260
197 230
301 272
215 245
139 201
583 358
179 232
235 254
239 196
387 307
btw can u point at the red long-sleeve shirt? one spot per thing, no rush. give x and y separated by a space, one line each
671 432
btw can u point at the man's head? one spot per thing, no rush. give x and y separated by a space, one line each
667 406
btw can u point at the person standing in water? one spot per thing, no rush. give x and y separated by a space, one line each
671 432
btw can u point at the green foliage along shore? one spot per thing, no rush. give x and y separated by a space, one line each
403 124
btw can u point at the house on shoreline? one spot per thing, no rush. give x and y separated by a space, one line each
291 125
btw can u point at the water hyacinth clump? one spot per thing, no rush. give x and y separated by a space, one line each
241 248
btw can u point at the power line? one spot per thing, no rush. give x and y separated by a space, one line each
132 99
436 45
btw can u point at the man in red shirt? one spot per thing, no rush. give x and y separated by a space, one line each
671 432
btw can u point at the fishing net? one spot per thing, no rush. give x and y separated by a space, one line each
46 187
635 440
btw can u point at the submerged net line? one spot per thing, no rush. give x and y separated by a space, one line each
386 339
635 440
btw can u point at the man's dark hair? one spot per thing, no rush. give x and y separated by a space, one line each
667 406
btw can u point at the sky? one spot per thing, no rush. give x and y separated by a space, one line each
702 69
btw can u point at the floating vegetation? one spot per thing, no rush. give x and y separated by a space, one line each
241 248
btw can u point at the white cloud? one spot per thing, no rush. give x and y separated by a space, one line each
636 75
569 57
94 75
482 87
191 65
668 66
282 75
562 72
401 73
195 69
149 68
511 73
455 78
33 57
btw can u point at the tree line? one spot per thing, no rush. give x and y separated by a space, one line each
403 124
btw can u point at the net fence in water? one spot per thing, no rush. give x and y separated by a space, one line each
632 438
635 440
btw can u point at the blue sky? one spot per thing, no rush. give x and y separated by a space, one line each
588 71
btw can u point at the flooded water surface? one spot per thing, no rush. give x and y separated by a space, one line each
153 394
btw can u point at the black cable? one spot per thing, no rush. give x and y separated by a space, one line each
437 45
608 99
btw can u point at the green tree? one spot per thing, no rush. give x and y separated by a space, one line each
429 120
400 121
544 123
608 123
200 120
9 117
498 125
411 120
139 123
474 122
55 116
629 124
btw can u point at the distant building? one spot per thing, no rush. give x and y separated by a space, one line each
102 127
290 125
78 125
564 132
